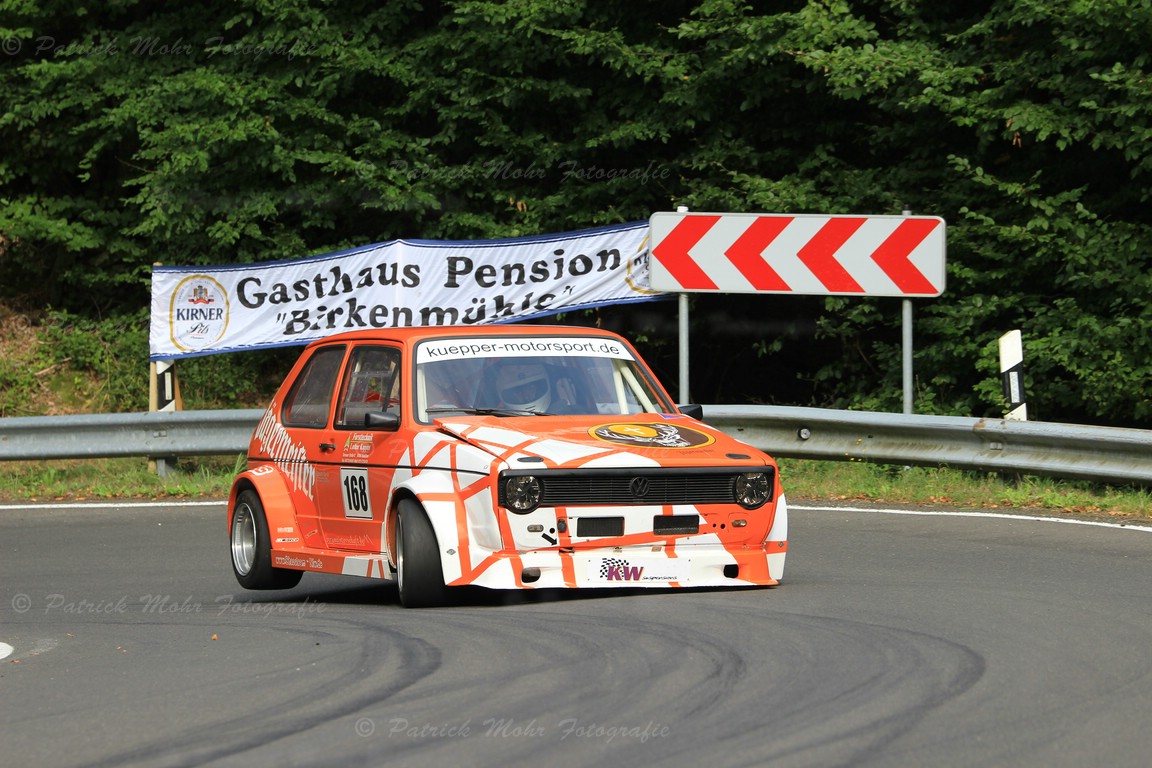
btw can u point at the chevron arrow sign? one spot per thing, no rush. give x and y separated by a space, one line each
801 254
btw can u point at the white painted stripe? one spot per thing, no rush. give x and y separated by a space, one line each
117 504
5 650
791 506
965 513
1011 350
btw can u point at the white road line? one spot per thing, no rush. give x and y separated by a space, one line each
968 513
5 650
813 508
116 504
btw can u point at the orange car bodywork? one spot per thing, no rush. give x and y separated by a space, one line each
330 493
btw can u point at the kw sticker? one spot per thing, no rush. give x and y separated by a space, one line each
618 569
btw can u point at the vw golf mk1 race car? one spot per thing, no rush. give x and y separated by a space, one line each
509 457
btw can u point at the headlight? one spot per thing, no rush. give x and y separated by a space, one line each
522 494
753 489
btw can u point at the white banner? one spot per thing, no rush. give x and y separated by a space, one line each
209 310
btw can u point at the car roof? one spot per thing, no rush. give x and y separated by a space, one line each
411 335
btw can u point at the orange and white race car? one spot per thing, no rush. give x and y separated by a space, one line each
509 457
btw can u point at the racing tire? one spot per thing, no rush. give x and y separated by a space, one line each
252 549
419 574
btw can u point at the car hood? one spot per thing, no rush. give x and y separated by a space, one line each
604 441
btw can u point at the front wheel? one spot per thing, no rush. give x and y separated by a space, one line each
419 575
252 549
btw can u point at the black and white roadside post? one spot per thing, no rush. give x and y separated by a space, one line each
1012 375
163 395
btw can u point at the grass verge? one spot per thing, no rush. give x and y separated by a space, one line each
124 478
851 481
804 480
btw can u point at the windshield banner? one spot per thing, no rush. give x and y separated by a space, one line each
209 310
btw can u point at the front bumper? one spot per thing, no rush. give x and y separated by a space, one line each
693 565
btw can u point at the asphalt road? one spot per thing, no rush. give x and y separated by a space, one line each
895 640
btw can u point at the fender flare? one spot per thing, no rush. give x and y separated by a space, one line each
438 495
271 487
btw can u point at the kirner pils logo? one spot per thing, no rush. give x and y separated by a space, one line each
653 435
199 313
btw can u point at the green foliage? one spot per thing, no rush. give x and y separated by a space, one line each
238 380
114 351
17 387
214 132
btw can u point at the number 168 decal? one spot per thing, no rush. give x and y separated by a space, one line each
354 483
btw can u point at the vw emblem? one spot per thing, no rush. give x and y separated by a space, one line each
639 487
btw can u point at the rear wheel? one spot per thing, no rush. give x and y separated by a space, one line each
419 575
252 549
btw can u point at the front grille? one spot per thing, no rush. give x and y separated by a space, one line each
633 487
599 526
660 489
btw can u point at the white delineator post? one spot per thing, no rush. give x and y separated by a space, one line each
1012 375
163 395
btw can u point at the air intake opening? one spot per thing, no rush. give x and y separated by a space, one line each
668 524
600 526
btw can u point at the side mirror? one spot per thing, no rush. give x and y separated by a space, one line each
692 410
383 420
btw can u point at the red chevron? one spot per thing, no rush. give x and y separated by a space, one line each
892 255
672 252
747 253
819 255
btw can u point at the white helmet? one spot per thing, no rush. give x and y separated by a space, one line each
524 386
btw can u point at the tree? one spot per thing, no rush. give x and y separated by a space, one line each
222 132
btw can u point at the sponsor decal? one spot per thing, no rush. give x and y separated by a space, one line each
289 456
358 447
528 346
651 435
198 314
348 541
618 569
299 562
615 569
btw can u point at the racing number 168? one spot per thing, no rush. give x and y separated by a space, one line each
356 501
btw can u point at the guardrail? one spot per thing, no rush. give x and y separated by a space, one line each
1104 454
158 435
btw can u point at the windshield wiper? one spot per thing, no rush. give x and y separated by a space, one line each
484 411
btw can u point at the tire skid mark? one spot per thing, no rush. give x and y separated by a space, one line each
380 648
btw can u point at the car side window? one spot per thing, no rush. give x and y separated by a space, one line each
310 398
371 385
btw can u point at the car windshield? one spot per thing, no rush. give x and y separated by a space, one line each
515 376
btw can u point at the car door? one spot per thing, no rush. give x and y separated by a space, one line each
354 493
301 441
